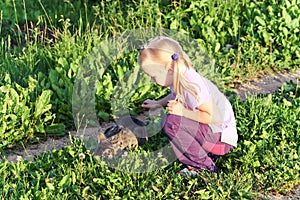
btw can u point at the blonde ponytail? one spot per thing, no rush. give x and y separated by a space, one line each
179 81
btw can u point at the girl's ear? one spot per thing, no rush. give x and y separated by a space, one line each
171 71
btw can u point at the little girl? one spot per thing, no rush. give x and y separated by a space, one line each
200 123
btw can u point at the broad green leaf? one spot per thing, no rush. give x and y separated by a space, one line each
55 129
42 103
217 47
203 194
285 31
39 127
260 20
7 79
32 83
286 16
50 186
53 76
65 181
99 181
220 25
85 191
235 27
287 103
73 178
120 72
256 163
267 37
104 49
72 153
62 61
5 88
174 24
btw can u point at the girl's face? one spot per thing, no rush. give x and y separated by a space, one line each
158 72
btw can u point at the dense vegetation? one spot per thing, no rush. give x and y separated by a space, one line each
44 45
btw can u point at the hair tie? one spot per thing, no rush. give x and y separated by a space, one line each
141 48
175 56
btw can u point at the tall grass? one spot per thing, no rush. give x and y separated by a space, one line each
217 25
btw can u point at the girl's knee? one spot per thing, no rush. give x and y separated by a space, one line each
171 125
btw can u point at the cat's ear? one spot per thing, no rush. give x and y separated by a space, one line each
101 137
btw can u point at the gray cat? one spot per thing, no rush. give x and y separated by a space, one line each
126 134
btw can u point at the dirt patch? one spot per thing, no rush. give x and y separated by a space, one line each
29 151
267 84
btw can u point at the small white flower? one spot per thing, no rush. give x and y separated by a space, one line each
81 156
19 158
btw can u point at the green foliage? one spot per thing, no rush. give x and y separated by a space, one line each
269 139
243 36
240 35
45 46
25 113
62 87
266 161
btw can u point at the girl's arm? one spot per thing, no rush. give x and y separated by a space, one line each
155 104
206 113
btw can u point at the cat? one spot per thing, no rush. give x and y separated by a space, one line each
128 133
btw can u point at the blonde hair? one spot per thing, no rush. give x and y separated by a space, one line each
162 48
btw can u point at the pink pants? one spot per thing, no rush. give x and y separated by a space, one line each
193 142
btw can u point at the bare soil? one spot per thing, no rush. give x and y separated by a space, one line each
265 85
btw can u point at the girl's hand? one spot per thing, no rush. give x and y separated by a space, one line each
151 104
175 108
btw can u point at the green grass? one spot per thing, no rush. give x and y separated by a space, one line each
44 44
265 162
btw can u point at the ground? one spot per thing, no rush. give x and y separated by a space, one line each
264 85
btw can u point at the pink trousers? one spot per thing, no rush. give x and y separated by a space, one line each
194 143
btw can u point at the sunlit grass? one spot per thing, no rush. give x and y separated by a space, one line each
46 41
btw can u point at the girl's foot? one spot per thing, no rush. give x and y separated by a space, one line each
192 171
188 171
